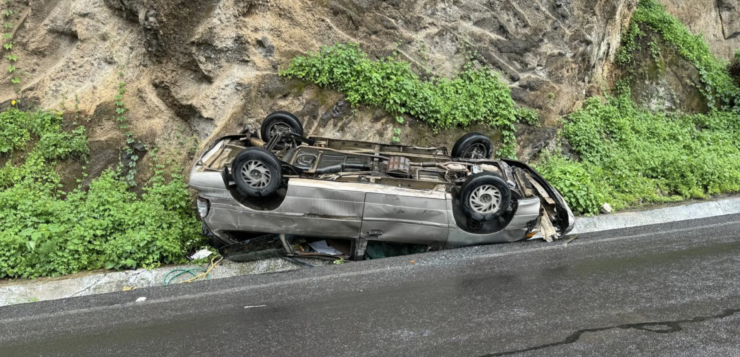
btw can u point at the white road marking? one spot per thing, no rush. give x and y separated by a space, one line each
253 306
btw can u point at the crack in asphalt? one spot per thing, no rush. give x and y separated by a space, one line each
656 327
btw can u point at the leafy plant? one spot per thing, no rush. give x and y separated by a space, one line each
639 157
529 116
62 145
129 170
721 92
734 68
45 231
396 138
8 46
475 95
14 132
574 182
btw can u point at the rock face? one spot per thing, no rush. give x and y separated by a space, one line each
206 68
209 67
718 21
664 81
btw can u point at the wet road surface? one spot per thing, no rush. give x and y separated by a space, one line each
669 290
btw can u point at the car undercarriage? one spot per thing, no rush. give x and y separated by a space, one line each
288 185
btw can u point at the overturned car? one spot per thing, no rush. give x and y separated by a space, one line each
281 190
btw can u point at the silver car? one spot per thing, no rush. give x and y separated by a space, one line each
280 189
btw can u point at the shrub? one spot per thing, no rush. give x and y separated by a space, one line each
47 232
638 157
475 95
53 146
574 182
720 90
13 130
734 68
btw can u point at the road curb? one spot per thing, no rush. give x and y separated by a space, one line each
721 207
25 291
18 292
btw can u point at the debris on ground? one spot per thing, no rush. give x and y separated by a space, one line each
546 228
572 239
196 273
323 247
201 254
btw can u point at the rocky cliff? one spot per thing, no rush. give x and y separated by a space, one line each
718 21
207 68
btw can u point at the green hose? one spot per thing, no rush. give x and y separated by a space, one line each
168 279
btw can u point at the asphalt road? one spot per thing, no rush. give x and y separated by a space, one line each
669 290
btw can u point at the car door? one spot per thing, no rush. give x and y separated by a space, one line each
405 216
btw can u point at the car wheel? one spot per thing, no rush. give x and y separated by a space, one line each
484 196
278 123
256 172
475 146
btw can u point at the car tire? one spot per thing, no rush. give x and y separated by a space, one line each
256 172
473 146
280 122
484 196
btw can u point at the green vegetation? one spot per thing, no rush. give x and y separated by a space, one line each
631 156
474 95
735 68
45 231
8 45
129 170
396 135
721 92
574 182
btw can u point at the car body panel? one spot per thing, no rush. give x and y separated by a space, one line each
306 209
528 210
391 216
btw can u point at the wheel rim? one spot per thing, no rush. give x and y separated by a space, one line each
485 199
256 174
279 128
476 152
